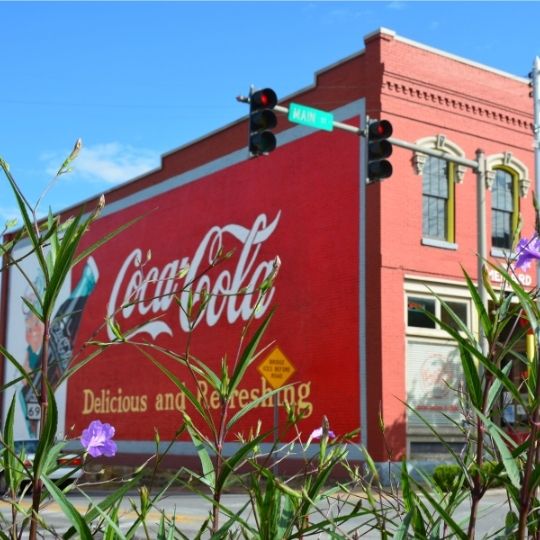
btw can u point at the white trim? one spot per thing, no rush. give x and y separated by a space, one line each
410 279
425 286
508 160
501 253
443 244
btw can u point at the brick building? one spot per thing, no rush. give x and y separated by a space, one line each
302 203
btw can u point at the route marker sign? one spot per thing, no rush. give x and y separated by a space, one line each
276 368
307 116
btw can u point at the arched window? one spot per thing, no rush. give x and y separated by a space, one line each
439 178
508 179
504 208
438 206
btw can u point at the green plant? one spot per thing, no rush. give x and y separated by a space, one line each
446 476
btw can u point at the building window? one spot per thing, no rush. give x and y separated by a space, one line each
438 200
418 307
504 208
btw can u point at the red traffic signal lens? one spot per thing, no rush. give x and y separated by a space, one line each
380 129
263 99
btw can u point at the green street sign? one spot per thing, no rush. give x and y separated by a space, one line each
307 116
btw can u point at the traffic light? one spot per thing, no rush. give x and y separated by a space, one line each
379 148
262 119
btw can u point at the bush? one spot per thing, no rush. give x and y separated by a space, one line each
446 477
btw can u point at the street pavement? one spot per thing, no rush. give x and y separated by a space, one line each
191 511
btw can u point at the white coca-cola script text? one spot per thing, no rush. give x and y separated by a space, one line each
150 290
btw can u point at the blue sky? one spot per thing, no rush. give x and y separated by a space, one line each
135 80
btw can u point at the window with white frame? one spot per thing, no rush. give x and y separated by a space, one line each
504 208
438 200
446 310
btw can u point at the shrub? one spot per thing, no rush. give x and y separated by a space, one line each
446 477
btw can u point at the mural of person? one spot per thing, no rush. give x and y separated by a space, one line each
34 331
62 335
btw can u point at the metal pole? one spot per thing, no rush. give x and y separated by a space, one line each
481 235
435 153
276 435
362 284
535 75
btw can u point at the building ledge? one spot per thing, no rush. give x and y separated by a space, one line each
442 244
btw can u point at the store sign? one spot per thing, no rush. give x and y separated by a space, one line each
524 278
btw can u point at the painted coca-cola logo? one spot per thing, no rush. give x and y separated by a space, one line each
148 291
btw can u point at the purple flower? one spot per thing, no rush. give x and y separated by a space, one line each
527 250
97 439
318 433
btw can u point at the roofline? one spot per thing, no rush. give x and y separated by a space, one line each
379 31
440 52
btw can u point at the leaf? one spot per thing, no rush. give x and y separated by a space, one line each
8 455
106 238
472 379
113 528
208 475
248 355
535 479
97 509
401 532
69 510
485 320
192 398
507 459
255 403
495 389
48 433
458 532
19 367
441 439
230 464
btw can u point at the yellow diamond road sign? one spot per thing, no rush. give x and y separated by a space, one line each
276 368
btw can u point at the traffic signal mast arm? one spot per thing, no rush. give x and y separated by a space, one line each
392 140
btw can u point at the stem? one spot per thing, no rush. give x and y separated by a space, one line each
37 485
525 493
219 464
478 490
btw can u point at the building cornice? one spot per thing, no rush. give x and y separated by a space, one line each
454 101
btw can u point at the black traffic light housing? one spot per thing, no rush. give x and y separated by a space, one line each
378 149
262 119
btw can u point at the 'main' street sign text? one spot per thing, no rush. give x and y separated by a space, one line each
307 116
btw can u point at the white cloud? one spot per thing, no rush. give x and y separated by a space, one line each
396 5
112 163
9 213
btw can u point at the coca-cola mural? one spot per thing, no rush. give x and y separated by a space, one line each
299 206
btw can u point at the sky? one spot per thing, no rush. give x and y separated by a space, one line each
136 80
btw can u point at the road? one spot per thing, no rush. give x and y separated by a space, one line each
191 511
